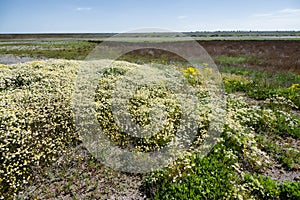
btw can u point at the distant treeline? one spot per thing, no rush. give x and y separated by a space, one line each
54 35
242 33
152 34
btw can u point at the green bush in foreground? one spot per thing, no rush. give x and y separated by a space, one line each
209 178
266 188
290 190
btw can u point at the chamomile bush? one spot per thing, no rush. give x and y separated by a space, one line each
37 123
140 106
35 119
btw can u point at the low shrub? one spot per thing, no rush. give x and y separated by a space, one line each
290 190
211 177
36 121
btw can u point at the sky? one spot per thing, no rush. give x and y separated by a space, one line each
96 16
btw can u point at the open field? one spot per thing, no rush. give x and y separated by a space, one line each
269 55
42 155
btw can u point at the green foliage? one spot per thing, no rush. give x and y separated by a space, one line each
266 188
277 122
211 177
262 187
290 190
262 85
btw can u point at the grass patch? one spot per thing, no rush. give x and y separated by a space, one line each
262 85
71 50
237 61
228 60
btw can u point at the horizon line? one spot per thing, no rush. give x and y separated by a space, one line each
208 31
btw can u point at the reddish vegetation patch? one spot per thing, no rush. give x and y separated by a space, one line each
266 55
270 55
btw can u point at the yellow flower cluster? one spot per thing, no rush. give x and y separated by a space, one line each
234 79
294 86
193 75
191 71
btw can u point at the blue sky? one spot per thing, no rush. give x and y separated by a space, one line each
59 16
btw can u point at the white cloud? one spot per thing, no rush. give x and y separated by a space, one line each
83 8
289 11
285 19
279 13
262 15
182 17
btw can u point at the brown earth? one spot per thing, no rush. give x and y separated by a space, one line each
265 55
270 55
